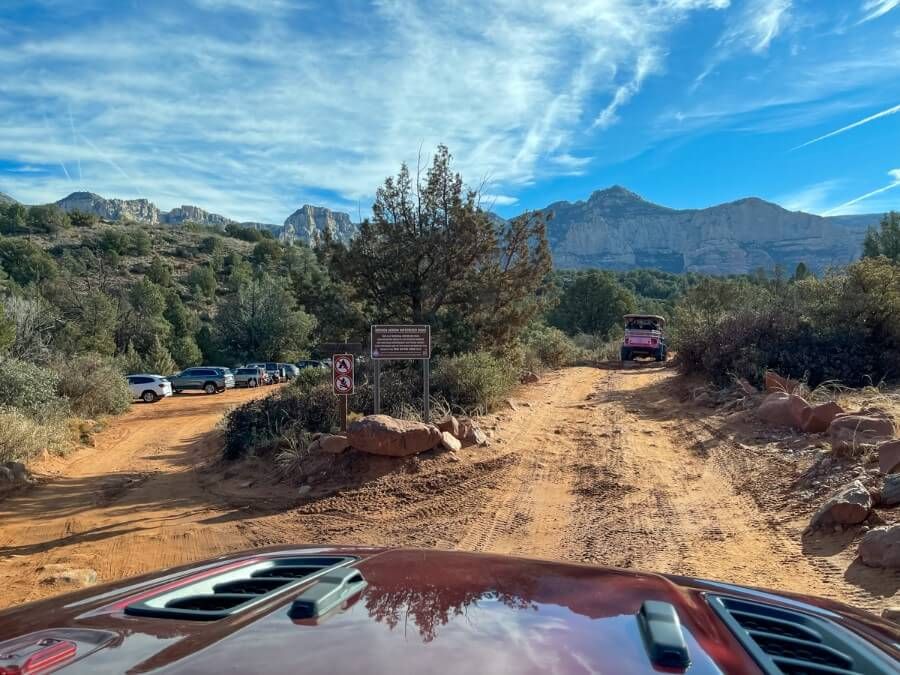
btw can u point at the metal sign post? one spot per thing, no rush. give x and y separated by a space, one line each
398 343
342 380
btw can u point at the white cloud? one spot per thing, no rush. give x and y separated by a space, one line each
895 183
810 199
884 113
752 29
172 109
876 8
489 200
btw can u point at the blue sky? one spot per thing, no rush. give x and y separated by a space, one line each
251 109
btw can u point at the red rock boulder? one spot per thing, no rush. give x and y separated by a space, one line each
817 418
863 428
450 425
385 435
783 410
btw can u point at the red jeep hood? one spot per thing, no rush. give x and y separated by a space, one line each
423 611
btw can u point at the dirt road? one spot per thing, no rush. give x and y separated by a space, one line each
601 466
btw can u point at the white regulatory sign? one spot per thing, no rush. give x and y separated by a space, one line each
342 373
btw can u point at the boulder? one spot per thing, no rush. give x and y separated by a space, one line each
880 547
889 456
385 435
850 431
449 441
890 490
451 425
817 417
333 445
783 410
512 404
529 378
849 506
776 383
470 434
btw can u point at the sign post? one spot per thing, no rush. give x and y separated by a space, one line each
398 342
342 379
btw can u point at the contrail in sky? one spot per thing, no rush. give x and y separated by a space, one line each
859 123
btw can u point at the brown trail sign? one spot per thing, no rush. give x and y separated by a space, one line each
406 343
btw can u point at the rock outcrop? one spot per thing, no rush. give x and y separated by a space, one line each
308 223
617 229
140 210
6 199
194 214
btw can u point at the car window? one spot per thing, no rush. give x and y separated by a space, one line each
141 380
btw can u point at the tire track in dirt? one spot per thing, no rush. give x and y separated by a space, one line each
596 465
130 504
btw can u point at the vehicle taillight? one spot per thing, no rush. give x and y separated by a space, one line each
627 341
652 341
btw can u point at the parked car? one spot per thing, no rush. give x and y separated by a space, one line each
250 377
149 388
229 376
644 336
405 611
203 378
290 370
273 369
310 363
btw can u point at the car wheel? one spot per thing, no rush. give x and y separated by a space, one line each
209 388
176 391
149 397
625 354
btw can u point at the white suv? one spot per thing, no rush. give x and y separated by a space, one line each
149 388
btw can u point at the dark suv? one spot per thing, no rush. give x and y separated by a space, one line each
210 380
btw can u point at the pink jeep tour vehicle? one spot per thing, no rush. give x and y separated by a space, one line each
644 337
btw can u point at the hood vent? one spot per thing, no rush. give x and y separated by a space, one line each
218 596
786 642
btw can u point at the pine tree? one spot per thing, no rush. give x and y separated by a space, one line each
158 360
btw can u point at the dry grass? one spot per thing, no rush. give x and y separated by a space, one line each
22 438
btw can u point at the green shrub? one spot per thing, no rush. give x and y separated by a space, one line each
548 347
93 385
259 426
311 377
23 438
30 388
477 379
25 262
844 327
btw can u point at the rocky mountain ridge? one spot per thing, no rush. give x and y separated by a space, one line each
617 229
305 224
614 229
